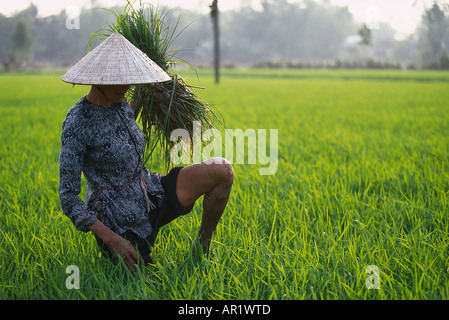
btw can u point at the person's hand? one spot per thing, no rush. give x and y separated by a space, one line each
119 246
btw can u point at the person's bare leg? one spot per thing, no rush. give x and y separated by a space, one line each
213 179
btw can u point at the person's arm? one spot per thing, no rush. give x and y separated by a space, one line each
71 161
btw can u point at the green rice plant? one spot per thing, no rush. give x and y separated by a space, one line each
160 107
363 180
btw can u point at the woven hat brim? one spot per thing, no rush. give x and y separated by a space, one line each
115 61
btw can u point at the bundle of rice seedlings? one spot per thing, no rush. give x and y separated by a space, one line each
160 107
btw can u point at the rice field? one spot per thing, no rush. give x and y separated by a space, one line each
357 209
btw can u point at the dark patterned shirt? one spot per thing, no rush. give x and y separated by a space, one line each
105 144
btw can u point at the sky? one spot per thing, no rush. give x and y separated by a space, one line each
402 15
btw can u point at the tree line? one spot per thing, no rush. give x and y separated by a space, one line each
280 34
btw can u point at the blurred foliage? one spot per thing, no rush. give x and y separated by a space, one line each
278 33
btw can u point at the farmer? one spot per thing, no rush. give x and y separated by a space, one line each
125 204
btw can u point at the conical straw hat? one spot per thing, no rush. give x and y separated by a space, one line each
115 61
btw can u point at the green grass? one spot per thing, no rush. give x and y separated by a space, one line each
363 179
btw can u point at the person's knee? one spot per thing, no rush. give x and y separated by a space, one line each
223 170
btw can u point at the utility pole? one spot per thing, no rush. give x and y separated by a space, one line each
214 15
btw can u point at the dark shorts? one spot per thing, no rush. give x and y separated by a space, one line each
167 212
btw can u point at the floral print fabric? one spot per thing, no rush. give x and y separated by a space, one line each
105 144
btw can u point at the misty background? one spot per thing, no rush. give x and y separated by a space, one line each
281 34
